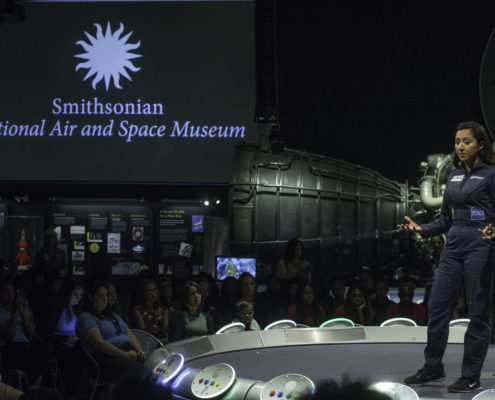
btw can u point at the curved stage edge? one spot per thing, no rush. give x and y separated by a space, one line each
372 353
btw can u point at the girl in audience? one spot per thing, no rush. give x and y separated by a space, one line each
356 307
59 324
406 307
148 314
306 310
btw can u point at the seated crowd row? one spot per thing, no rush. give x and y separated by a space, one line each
43 317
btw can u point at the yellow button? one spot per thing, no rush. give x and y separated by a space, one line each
218 384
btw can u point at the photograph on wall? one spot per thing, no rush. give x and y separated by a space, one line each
137 233
78 255
113 243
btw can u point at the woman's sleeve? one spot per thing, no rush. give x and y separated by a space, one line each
441 224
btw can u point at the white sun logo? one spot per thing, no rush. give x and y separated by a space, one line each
108 56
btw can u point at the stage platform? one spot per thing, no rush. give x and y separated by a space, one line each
372 353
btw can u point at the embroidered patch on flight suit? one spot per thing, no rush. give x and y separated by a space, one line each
477 213
457 178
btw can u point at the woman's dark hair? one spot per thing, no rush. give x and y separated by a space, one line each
480 134
88 299
290 249
318 314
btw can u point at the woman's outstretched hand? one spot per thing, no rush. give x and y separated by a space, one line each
487 233
411 226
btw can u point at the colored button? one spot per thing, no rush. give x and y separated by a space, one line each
157 369
280 394
201 380
212 383
218 384
288 396
167 372
207 381
297 395
272 393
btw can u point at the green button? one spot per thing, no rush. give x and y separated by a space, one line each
288 396
212 383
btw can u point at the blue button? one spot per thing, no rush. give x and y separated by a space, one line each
207 381
280 394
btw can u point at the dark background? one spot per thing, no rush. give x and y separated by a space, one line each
379 83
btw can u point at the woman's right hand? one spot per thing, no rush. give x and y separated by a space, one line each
487 233
131 355
411 226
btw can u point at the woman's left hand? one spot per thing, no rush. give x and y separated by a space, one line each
487 233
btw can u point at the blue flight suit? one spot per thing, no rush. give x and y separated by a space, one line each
468 204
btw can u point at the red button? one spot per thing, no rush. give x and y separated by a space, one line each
201 380
272 393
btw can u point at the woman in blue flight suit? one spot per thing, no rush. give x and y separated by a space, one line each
468 208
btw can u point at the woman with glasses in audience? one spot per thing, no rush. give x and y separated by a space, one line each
148 314
105 336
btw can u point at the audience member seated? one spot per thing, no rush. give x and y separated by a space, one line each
50 257
61 330
306 310
290 289
244 312
191 320
356 307
148 314
336 297
293 265
381 303
58 324
44 304
168 292
337 289
226 303
406 308
107 337
269 304
210 291
247 287
18 347
347 390
366 283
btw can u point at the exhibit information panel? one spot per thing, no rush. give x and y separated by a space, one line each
155 91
